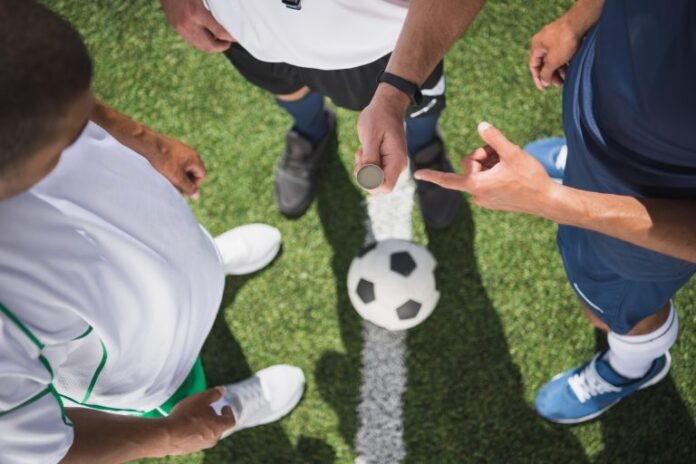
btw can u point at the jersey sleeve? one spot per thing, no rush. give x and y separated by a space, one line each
33 425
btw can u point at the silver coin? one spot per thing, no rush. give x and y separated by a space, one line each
370 176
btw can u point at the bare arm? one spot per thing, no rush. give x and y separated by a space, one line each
664 225
430 29
103 438
502 176
176 161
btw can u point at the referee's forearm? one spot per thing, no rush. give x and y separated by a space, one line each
667 226
430 29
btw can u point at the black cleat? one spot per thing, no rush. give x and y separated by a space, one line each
296 176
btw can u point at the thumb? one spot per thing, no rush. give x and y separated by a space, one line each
496 139
211 395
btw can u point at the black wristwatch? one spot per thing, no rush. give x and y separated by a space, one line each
407 87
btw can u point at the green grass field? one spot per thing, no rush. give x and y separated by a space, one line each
507 320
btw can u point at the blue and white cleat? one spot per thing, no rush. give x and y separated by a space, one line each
552 153
583 393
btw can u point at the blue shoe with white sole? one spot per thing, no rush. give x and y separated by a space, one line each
583 393
552 153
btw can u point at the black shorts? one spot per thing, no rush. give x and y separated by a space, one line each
351 88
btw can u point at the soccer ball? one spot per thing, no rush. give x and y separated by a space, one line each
392 284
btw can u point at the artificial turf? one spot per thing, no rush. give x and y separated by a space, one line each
507 320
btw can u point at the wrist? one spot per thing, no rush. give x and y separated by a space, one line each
163 443
553 202
389 96
581 17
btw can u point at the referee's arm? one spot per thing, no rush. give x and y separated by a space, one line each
430 29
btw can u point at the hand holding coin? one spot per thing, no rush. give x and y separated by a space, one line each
370 176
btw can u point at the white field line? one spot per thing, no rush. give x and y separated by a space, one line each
380 436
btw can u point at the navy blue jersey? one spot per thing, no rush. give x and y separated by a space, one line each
629 113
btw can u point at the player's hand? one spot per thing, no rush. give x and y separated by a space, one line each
499 175
193 424
192 20
551 50
382 137
179 163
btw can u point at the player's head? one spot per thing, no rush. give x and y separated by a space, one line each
45 96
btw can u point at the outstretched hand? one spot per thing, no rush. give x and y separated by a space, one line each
499 175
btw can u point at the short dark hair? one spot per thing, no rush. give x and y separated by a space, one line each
44 67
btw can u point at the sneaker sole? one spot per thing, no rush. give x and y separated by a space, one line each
661 375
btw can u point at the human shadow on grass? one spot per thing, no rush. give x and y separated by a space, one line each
653 425
465 402
342 216
224 362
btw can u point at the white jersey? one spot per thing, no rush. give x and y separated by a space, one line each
324 34
109 287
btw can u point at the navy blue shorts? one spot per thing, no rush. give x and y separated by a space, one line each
618 301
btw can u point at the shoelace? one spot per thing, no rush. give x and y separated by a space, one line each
587 383
248 397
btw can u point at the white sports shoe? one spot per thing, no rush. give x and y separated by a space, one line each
248 248
264 397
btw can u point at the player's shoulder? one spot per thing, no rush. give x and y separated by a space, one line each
30 222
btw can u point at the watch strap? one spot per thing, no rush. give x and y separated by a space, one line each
407 87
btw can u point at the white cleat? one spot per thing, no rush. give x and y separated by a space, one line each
248 248
264 397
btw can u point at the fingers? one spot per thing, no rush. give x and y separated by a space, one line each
393 168
556 79
448 180
552 62
225 420
485 156
358 160
207 397
187 186
535 62
562 71
370 150
197 172
204 40
383 142
493 137
219 32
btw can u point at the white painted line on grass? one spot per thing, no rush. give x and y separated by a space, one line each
380 435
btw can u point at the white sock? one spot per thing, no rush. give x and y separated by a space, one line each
632 355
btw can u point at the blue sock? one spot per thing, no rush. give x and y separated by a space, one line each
420 132
309 116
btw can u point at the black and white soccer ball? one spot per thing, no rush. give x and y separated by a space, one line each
392 284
